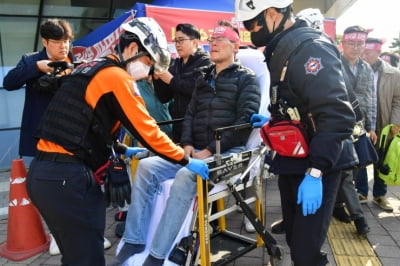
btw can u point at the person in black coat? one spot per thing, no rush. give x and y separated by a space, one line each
56 36
305 75
177 84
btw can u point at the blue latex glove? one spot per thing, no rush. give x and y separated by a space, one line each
133 150
310 194
258 120
199 167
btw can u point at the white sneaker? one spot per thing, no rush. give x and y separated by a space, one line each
54 250
107 243
248 226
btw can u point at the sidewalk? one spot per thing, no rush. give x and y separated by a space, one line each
384 236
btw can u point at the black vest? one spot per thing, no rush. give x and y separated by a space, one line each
70 122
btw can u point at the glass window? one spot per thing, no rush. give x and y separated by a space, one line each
19 7
17 38
76 8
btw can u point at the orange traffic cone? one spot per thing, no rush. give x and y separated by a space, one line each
25 233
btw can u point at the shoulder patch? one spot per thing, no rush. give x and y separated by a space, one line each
313 66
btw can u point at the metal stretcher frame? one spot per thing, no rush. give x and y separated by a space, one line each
256 217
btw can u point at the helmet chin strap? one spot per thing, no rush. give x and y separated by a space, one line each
280 27
126 62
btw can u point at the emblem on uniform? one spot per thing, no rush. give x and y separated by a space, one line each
313 66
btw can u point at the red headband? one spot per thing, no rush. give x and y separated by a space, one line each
227 32
373 46
355 36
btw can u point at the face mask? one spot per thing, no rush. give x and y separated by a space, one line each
259 38
138 70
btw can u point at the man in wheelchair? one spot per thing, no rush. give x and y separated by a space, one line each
225 94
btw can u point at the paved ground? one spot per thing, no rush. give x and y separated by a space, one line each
384 236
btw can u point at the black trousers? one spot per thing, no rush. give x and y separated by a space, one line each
305 235
72 205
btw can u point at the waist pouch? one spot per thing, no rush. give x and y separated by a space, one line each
287 138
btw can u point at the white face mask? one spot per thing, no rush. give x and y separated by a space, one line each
138 70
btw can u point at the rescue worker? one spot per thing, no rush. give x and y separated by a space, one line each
76 138
306 80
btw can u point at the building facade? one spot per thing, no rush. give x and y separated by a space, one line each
19 34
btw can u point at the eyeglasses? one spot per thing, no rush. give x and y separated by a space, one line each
217 39
61 42
180 41
355 44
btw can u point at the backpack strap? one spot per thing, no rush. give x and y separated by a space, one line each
291 41
280 59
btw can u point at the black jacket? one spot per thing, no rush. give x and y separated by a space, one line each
230 100
314 84
36 100
181 87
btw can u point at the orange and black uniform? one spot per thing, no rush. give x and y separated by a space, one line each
74 138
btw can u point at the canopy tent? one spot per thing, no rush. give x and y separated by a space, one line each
168 13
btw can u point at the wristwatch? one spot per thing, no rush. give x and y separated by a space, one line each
314 172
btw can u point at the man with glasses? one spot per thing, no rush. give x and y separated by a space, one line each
177 84
360 79
56 36
225 94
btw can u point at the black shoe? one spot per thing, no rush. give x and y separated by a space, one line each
277 227
361 226
341 214
120 229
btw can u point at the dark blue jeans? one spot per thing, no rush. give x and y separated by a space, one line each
379 187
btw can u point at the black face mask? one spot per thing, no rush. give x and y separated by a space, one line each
260 38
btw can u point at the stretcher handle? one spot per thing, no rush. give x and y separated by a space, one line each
218 131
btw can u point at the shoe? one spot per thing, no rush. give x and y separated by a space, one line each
120 229
361 226
106 243
362 198
53 248
341 214
383 203
277 227
248 225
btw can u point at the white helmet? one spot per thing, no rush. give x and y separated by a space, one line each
314 18
248 9
153 39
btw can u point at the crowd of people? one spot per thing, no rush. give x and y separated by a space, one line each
71 128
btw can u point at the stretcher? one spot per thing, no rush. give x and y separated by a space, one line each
195 243
229 173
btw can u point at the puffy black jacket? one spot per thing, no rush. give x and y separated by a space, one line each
314 84
181 87
231 99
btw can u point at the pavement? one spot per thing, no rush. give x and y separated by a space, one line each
384 237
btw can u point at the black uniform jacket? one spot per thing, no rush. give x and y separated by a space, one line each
314 84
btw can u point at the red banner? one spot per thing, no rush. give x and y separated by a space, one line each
330 28
204 20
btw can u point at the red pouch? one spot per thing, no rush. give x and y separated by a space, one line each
287 138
